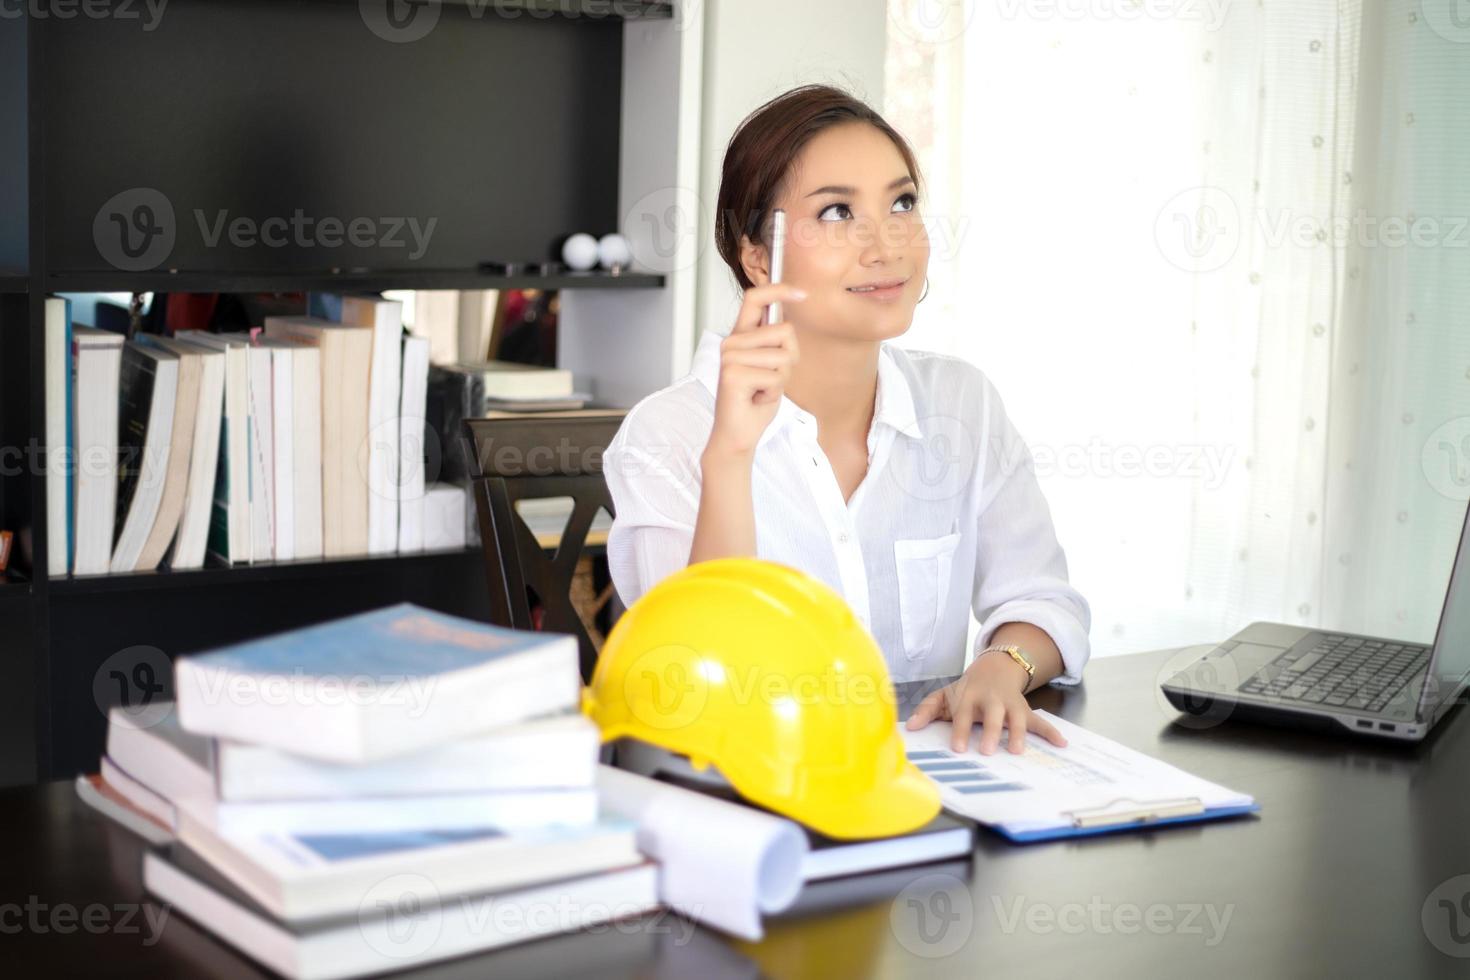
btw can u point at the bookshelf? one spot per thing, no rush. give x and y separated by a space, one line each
510 123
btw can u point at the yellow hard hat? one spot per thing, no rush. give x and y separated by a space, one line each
766 674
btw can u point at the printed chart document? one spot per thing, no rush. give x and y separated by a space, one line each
1093 785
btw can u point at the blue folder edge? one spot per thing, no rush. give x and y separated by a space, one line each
1060 833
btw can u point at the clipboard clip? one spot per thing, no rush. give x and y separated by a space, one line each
1143 812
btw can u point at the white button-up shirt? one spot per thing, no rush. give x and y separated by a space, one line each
949 518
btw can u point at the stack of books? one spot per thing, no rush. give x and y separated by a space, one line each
485 388
304 439
375 792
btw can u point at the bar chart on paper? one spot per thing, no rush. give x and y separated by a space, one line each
1091 785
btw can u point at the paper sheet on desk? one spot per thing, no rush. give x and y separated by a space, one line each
1041 787
720 863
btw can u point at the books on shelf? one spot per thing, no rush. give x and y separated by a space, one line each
148 386
462 391
523 406
60 431
478 310
346 356
180 448
303 439
228 534
385 319
94 376
448 516
411 449
418 678
192 460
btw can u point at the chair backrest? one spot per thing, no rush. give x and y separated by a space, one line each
535 457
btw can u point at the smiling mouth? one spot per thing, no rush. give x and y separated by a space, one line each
878 287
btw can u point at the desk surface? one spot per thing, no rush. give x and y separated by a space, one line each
1341 874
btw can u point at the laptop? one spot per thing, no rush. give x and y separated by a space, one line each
1304 677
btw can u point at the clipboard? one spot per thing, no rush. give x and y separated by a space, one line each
1126 814
1091 786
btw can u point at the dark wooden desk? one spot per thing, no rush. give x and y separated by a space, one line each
1332 879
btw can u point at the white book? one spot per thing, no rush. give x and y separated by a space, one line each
97 793
411 432
137 795
59 463
262 455
154 749
297 877
477 308
346 358
362 943
147 389
96 366
445 506
376 685
306 385
193 532
181 458
385 317
559 752
436 318
228 511
283 449
506 810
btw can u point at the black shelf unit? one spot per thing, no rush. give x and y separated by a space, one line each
504 129
99 281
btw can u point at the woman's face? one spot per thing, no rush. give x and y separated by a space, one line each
853 222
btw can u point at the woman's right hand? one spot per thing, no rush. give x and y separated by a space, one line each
755 364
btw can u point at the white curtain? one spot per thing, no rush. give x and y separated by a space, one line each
1215 256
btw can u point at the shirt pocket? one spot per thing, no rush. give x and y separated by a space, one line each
924 569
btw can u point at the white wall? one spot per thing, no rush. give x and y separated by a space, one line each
753 51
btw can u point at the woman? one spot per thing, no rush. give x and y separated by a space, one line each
893 476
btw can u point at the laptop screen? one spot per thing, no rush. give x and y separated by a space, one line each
1450 661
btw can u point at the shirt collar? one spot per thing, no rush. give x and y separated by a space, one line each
894 405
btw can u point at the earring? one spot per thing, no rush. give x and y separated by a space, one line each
926 289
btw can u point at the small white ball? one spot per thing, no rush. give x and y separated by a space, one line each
580 252
614 250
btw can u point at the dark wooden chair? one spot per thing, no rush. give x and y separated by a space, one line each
536 457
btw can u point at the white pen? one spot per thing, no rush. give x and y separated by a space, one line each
778 258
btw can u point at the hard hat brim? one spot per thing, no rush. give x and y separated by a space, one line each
904 804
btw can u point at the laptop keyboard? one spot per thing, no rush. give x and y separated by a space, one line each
1340 672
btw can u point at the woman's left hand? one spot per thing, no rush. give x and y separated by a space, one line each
991 693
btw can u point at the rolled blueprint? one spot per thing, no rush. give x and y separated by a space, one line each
720 863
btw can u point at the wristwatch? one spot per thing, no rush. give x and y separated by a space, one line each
1016 655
